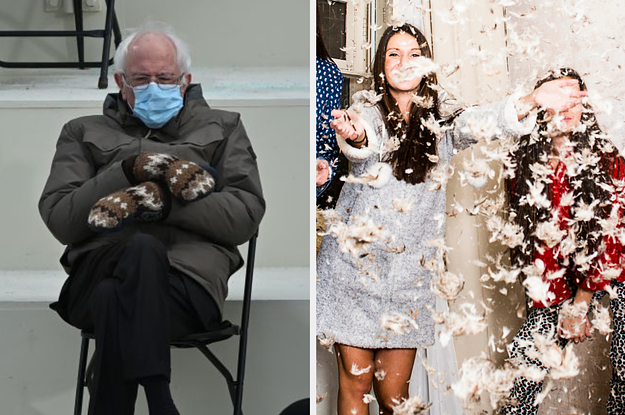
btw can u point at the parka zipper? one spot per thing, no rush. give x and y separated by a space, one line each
147 135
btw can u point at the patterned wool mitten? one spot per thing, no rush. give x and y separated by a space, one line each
186 180
146 202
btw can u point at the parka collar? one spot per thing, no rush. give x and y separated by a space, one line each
117 108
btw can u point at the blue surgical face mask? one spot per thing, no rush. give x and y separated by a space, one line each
155 105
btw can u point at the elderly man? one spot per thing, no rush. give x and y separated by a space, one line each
151 199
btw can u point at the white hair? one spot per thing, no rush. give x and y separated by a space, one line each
183 58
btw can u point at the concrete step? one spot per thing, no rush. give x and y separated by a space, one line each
223 87
269 284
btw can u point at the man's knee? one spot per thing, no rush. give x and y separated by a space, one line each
105 293
141 243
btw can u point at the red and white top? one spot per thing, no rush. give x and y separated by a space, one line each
613 256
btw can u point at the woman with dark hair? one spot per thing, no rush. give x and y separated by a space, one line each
375 265
329 87
571 237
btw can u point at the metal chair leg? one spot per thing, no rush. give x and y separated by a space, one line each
245 319
117 34
80 39
238 400
80 383
106 48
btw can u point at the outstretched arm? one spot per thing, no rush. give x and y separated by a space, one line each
348 125
513 116
557 95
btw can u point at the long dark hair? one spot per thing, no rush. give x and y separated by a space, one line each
415 141
535 148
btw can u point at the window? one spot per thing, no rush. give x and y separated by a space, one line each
349 32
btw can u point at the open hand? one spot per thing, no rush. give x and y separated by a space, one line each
323 172
347 124
559 95
576 329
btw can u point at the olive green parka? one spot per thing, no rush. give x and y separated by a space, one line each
201 237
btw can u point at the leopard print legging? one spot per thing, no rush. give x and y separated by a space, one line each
544 321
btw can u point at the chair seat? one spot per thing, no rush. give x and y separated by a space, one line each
222 332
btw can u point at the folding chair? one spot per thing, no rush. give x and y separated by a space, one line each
199 341
111 28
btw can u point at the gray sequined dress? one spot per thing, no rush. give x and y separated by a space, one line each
355 294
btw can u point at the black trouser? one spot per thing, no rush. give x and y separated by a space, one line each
132 299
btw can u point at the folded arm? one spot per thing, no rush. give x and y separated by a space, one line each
73 187
231 214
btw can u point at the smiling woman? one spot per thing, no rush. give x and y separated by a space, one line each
402 53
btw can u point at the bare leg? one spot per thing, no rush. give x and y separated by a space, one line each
397 366
352 388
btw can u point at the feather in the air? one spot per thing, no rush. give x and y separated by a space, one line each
585 212
403 205
507 233
439 177
368 398
481 128
476 173
416 68
397 322
550 233
376 176
356 371
478 374
601 320
438 243
536 196
562 363
357 237
489 207
447 285
573 310
424 102
411 406
538 290
509 276
371 97
327 342
468 321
